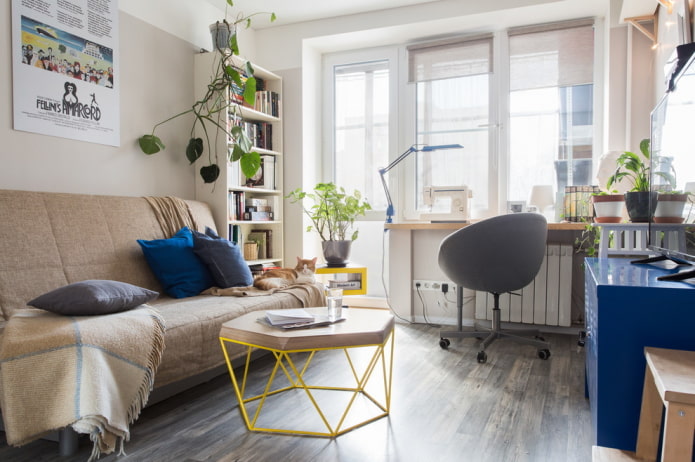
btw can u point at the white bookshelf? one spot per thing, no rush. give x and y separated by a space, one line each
219 195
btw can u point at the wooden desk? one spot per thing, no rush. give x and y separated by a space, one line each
412 254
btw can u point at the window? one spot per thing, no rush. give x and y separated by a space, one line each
452 81
361 126
550 107
532 117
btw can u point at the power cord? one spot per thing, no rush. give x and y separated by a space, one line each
383 280
424 306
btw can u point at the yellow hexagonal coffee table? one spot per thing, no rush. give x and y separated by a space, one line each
366 337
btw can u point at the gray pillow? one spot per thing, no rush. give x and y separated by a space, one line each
92 297
223 259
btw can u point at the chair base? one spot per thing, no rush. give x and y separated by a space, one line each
496 332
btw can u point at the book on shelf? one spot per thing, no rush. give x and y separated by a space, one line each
268 102
347 285
258 216
577 205
267 242
259 133
263 237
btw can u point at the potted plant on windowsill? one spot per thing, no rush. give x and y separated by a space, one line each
332 215
608 207
210 112
670 206
635 168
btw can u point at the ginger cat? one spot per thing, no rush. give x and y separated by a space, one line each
302 273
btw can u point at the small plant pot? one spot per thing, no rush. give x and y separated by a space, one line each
669 208
608 208
221 32
336 253
640 205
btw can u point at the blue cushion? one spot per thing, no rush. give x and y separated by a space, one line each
223 259
87 298
176 266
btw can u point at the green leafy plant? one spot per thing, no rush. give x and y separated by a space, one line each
210 112
633 167
333 212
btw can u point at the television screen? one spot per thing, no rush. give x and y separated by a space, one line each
672 173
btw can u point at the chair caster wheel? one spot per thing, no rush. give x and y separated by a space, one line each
444 343
482 357
544 354
540 337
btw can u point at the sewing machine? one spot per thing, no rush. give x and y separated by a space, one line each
455 199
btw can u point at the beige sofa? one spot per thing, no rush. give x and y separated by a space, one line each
48 240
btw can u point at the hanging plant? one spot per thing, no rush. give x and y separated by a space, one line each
211 111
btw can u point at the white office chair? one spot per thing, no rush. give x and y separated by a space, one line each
496 255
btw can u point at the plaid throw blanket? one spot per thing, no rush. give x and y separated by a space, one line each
93 373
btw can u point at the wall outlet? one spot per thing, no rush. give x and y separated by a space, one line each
426 284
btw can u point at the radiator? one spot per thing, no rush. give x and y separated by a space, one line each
547 300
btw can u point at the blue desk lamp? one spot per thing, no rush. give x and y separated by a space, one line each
397 160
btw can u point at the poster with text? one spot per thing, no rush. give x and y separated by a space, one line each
65 69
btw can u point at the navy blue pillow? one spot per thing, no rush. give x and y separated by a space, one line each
223 259
176 266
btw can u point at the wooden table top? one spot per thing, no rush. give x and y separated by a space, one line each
361 327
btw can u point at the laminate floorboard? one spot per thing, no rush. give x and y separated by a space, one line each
445 406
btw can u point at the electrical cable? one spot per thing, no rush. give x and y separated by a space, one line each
424 308
383 280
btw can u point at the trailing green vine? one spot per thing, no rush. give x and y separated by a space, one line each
213 108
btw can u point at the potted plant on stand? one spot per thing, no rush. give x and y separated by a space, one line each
608 207
640 202
333 215
670 206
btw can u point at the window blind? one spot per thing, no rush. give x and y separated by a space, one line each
445 59
552 55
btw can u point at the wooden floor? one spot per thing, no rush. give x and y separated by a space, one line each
445 407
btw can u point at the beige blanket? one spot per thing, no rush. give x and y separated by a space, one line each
307 294
93 373
172 214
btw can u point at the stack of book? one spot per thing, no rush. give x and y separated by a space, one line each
577 205
268 102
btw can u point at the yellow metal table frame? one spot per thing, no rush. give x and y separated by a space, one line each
382 356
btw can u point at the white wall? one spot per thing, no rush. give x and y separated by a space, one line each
155 84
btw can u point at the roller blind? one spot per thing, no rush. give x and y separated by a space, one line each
446 59
552 55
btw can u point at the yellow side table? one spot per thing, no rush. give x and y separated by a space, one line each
366 338
351 278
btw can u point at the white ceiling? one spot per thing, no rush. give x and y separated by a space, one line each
293 11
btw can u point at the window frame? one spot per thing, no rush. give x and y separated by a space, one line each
402 179
329 62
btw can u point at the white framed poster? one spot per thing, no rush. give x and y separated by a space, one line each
65 69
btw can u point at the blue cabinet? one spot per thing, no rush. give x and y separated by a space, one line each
626 310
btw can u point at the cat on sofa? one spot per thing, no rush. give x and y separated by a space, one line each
302 273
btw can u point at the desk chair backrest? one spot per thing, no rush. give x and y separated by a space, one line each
496 255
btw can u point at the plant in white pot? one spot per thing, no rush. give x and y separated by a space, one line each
639 200
332 215
670 206
608 207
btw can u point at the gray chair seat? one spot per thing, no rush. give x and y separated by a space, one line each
497 255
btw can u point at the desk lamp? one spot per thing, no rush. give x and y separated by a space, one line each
542 197
397 160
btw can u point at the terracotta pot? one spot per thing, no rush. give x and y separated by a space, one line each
669 208
608 208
